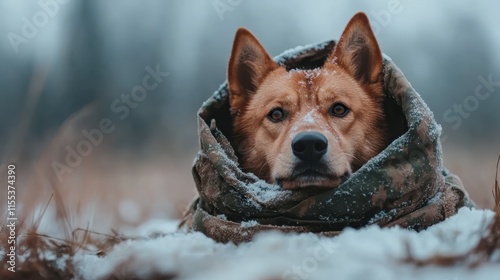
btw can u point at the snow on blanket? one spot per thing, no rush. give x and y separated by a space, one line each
369 253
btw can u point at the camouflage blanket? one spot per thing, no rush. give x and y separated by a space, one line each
406 185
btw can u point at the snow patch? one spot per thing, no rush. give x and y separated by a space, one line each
309 117
382 215
252 223
351 255
266 192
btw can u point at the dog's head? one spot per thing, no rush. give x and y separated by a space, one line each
308 128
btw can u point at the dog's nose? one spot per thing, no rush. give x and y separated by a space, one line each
309 147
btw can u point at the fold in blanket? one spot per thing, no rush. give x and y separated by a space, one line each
405 185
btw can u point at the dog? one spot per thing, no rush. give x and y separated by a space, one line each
308 128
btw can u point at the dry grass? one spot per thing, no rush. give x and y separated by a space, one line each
496 190
49 257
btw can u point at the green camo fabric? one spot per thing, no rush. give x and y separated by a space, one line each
405 185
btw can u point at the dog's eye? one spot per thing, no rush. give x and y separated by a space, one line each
339 110
276 115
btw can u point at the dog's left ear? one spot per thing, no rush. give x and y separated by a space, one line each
248 66
358 52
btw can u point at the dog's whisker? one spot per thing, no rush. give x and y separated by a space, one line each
260 169
349 155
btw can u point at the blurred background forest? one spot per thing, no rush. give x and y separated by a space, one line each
64 64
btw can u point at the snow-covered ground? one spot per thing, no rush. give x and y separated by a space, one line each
369 253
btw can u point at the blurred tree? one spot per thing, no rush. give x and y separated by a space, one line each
75 80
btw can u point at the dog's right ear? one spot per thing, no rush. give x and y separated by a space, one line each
248 66
358 51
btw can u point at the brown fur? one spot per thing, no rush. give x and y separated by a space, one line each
351 75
